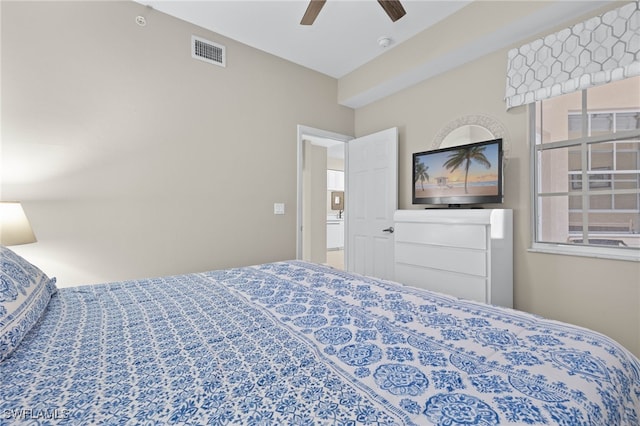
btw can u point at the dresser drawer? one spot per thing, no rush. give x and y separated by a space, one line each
466 261
450 235
458 285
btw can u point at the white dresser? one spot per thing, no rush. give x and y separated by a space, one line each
467 253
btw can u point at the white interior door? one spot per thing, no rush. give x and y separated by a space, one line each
372 198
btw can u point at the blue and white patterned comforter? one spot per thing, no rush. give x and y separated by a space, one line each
293 343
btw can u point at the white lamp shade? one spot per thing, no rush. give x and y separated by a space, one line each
14 225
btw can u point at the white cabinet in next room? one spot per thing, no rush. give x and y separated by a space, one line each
335 234
335 180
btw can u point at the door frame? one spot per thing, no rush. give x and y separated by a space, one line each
311 131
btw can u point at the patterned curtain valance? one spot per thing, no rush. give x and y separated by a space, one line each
600 50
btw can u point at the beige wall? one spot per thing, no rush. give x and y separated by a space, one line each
132 159
600 294
426 51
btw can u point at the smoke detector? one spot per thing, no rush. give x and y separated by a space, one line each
384 41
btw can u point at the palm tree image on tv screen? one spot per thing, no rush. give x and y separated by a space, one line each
462 171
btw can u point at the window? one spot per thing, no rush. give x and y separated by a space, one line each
586 162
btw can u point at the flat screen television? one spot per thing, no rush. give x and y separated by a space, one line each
459 175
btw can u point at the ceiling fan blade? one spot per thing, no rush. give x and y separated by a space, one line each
314 8
393 8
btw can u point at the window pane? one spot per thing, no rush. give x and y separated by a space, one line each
553 170
561 117
626 181
601 202
575 217
627 156
616 227
554 217
575 158
626 202
627 121
617 96
600 179
610 223
600 124
611 228
575 125
575 203
601 157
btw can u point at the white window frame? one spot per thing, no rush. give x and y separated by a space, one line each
614 151
618 253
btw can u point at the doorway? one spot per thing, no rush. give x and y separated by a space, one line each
321 226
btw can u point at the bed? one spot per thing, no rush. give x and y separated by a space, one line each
294 343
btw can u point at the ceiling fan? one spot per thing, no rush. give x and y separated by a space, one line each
393 8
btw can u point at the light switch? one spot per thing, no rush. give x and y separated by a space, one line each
278 208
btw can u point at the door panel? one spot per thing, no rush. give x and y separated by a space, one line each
372 185
379 201
359 253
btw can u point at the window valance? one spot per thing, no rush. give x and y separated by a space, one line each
599 50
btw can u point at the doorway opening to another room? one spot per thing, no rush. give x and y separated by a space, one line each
321 191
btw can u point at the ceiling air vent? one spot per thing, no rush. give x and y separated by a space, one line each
208 51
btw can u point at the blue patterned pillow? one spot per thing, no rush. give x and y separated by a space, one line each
25 292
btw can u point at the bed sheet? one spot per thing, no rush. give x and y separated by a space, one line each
299 343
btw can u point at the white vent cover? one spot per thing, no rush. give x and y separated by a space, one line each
208 51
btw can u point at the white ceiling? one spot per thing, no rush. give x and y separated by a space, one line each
343 37
345 34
